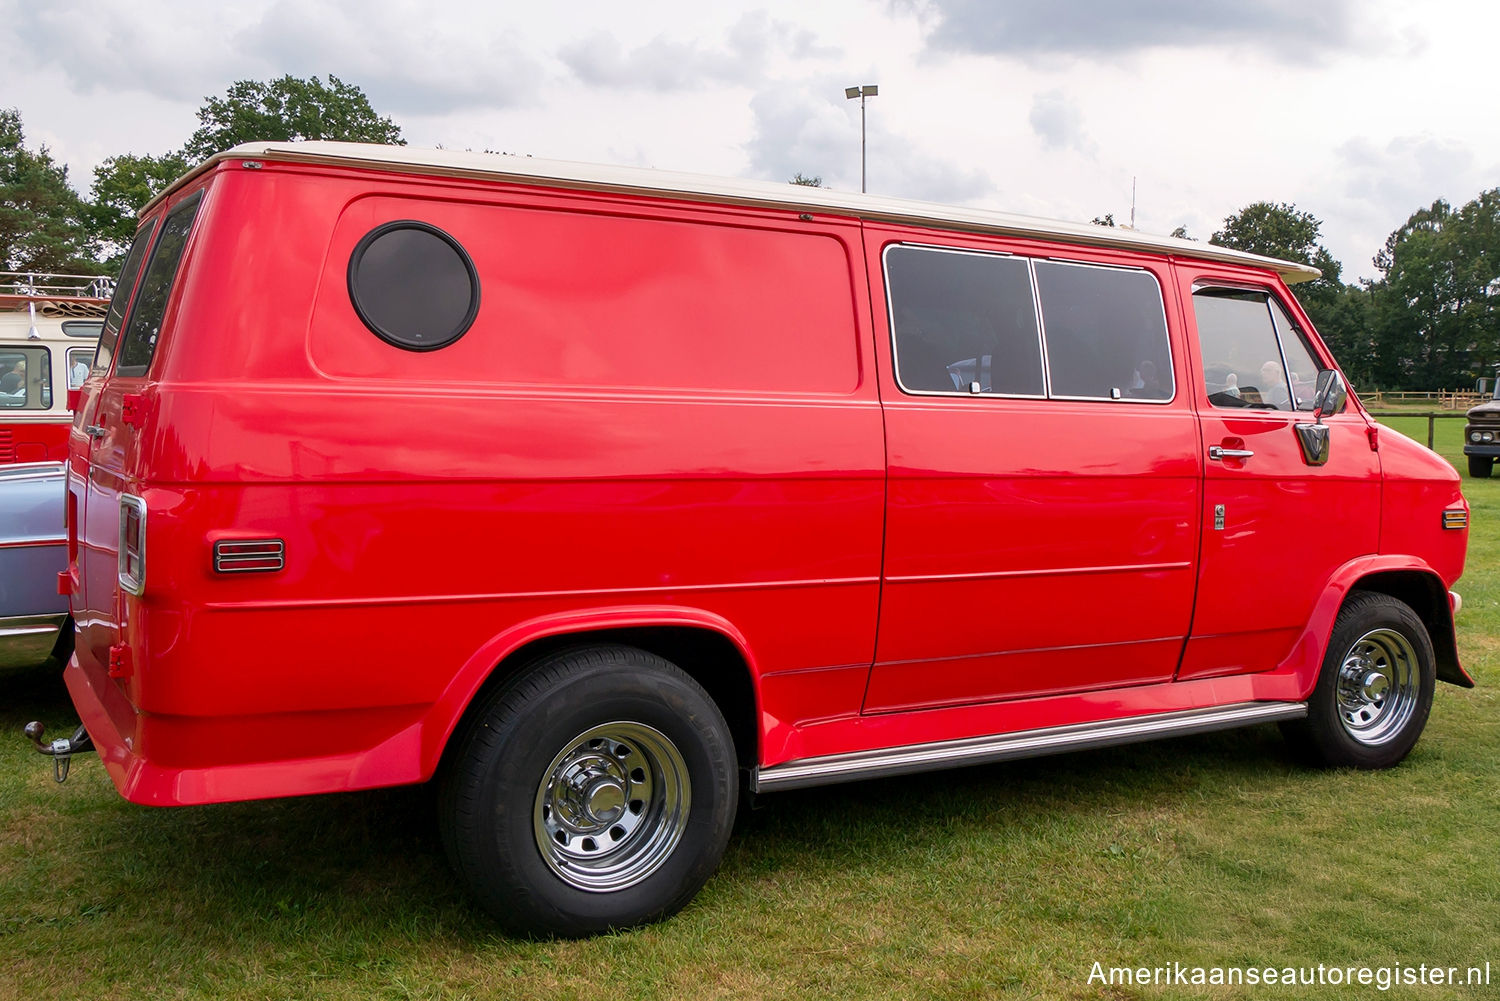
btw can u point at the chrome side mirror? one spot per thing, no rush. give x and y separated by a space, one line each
1330 395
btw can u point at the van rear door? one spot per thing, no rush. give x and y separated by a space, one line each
82 438
108 510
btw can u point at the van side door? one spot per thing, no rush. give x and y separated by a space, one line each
1043 471
1276 525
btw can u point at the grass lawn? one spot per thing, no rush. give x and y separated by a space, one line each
1007 881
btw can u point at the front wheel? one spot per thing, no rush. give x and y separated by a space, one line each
1480 466
596 791
1375 689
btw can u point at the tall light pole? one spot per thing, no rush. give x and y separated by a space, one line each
868 90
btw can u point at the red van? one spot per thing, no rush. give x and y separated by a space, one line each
608 497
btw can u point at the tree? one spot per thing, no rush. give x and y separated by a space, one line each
122 184
1437 305
287 108
815 181
42 224
1281 231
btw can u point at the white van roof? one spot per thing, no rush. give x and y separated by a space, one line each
561 173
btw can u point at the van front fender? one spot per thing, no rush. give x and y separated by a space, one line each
1407 578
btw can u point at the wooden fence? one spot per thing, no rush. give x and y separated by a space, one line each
1446 399
1430 415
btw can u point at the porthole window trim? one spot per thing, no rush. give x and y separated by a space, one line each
1036 300
357 255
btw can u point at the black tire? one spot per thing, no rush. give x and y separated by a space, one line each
608 729
1374 692
1480 466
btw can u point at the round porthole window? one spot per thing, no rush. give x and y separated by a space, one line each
413 285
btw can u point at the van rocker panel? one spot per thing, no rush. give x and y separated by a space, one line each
1024 744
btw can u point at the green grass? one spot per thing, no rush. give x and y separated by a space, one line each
999 882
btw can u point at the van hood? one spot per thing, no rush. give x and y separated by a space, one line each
1487 411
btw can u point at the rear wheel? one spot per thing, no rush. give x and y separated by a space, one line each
1481 465
596 791
1375 690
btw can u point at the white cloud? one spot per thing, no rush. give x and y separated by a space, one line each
1284 30
796 132
1058 123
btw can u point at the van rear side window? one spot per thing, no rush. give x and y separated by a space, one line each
963 322
139 341
117 303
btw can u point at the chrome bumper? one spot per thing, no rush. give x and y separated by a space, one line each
26 640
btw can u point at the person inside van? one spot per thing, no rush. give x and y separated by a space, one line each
1273 391
13 383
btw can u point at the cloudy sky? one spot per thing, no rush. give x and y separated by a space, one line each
1359 112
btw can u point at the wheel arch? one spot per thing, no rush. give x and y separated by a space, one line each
704 645
1424 593
1405 578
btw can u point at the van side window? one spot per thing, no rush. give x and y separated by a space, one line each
25 378
966 322
1106 333
78 366
1243 361
963 322
413 285
105 349
138 342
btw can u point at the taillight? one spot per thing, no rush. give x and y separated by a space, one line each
132 560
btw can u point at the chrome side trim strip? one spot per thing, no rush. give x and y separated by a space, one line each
34 542
1022 744
1039 572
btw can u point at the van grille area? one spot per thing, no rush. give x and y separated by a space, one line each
7 445
246 555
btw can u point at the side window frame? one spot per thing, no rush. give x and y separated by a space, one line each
1031 261
1279 335
191 205
36 356
104 348
1166 328
890 309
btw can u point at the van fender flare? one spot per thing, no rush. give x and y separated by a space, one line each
1306 659
443 717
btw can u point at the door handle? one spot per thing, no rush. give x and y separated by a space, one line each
1220 452
95 430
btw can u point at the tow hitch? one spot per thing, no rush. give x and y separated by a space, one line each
61 751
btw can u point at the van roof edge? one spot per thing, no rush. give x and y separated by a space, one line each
644 180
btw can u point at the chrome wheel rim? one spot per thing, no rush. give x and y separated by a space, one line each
1378 686
612 806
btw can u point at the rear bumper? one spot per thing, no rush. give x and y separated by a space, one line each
389 743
